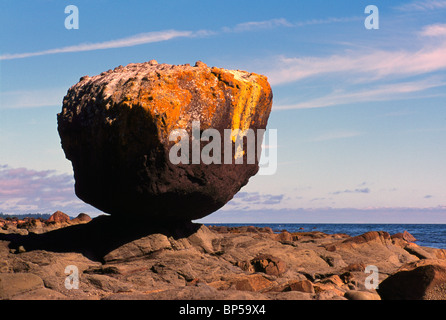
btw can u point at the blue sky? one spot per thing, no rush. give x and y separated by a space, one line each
360 114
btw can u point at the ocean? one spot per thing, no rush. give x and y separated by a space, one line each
427 235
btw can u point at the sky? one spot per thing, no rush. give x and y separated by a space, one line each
360 113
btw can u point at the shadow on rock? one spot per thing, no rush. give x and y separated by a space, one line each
98 237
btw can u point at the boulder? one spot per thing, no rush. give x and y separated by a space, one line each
82 218
59 217
362 295
116 128
303 286
264 263
254 282
405 236
379 237
420 280
418 251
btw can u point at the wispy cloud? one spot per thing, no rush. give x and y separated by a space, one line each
396 215
131 41
256 25
388 92
165 35
385 72
30 191
275 23
358 190
423 5
374 65
434 30
253 200
327 21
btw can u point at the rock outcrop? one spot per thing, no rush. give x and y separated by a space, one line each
420 280
218 263
81 218
59 217
116 128
405 236
56 221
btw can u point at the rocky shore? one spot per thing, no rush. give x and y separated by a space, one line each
200 262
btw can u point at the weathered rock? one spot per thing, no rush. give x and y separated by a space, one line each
420 280
265 263
40 294
405 236
372 248
59 217
202 264
254 282
354 267
82 218
115 129
436 253
12 284
285 236
303 286
380 237
201 239
362 295
418 251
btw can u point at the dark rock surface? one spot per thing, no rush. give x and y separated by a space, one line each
421 280
115 128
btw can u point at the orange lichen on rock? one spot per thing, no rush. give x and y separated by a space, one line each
173 95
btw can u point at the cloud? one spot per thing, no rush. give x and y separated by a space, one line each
374 65
368 67
387 92
165 35
396 215
25 191
384 71
251 200
358 190
131 41
281 22
424 5
256 25
327 21
435 30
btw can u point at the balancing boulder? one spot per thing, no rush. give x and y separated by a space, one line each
116 129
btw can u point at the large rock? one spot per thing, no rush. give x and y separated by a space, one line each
420 280
405 236
115 129
59 217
